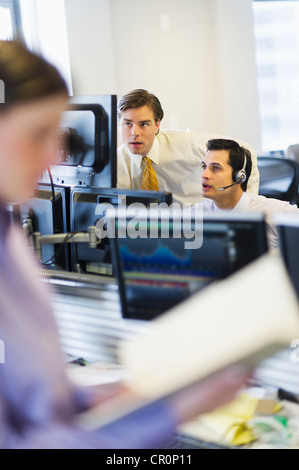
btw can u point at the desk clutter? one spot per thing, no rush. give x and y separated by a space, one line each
257 418
260 417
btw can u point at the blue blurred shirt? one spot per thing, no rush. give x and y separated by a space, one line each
37 401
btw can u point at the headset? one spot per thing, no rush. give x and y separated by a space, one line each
239 176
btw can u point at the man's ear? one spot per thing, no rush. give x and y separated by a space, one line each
158 126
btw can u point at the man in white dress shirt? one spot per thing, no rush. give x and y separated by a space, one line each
176 156
226 174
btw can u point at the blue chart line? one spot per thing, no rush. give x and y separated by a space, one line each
161 255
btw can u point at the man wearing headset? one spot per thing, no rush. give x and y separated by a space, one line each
226 171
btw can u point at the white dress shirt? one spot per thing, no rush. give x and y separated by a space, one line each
257 203
177 158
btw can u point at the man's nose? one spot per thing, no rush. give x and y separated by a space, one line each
205 175
135 131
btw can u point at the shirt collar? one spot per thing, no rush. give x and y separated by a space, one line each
243 203
153 154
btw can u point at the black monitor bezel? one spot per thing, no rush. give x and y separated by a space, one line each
220 217
283 222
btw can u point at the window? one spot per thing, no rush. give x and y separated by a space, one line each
45 32
10 23
276 31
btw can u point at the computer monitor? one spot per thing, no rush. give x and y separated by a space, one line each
288 232
86 158
86 143
46 213
157 272
87 206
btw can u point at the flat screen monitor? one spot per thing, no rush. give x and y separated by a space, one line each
87 206
86 143
47 214
288 232
156 271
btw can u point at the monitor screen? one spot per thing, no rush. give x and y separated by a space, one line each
87 206
288 232
86 143
157 272
46 213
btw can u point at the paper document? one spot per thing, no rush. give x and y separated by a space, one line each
246 317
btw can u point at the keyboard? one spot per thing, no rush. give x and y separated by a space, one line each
280 371
185 441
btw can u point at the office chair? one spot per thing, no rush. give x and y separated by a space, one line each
279 178
293 152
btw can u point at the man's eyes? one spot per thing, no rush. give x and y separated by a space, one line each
212 168
143 124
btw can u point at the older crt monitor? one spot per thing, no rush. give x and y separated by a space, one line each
156 272
86 143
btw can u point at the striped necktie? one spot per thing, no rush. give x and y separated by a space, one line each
149 179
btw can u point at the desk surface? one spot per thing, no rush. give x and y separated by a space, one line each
87 309
88 313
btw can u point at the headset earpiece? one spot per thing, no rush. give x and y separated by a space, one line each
239 176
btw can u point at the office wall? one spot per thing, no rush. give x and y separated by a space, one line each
91 46
164 46
237 82
44 26
196 55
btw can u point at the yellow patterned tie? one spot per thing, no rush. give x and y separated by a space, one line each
149 179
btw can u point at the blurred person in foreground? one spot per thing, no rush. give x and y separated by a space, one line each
38 404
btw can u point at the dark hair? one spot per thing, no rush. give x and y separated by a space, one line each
236 156
139 98
26 76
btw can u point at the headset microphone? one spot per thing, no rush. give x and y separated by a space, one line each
239 176
225 187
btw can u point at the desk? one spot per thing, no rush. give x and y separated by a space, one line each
88 314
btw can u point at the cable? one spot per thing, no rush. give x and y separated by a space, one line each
53 197
67 238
